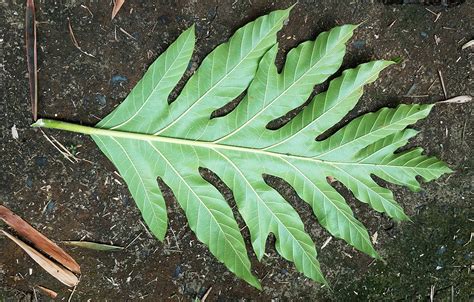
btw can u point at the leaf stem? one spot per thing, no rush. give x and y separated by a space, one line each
54 124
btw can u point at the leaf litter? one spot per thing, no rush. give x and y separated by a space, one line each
55 270
31 56
94 245
38 240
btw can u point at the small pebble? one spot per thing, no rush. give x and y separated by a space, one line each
178 271
424 34
101 100
441 250
50 207
118 80
41 161
359 44
29 182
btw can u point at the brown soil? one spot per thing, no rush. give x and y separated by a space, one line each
87 200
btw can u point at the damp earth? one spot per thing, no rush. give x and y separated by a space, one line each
429 256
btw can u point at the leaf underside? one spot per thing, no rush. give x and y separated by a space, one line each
181 137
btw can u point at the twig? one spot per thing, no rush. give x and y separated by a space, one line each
206 294
326 242
127 34
85 7
73 291
436 14
31 57
432 293
132 241
74 41
391 24
442 84
69 156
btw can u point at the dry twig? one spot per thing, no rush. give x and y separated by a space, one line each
442 84
31 57
74 41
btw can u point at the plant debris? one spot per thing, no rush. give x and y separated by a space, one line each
15 132
74 41
38 240
457 100
31 57
48 292
55 270
468 44
94 245
117 5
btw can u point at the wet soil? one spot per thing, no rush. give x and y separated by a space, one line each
87 200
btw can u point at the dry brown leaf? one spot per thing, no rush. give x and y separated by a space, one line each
38 240
31 58
48 292
58 272
117 5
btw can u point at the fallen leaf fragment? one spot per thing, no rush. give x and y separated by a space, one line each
48 292
117 5
468 44
94 245
38 240
374 238
457 100
58 272
14 132
31 58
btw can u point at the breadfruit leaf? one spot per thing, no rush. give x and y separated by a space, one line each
146 138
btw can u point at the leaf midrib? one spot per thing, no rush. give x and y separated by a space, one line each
54 124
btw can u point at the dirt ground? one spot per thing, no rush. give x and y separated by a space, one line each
87 200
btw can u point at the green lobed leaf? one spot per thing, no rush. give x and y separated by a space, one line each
147 138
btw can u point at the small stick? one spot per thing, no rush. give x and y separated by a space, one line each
391 24
127 34
206 294
85 7
442 84
436 14
326 242
73 291
31 57
133 241
74 41
57 148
